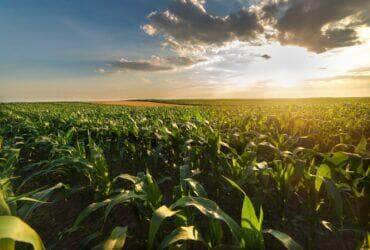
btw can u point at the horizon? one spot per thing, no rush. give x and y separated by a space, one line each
191 99
183 49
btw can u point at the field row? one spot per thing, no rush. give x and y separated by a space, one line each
251 175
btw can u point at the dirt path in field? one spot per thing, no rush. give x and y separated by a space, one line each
137 103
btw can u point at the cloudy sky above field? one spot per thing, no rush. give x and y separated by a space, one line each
120 49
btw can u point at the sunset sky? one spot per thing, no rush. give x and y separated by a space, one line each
122 49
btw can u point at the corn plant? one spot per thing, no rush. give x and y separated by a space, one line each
304 161
13 228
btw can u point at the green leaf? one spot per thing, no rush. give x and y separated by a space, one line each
100 167
287 241
197 188
249 218
184 173
158 216
216 233
7 244
119 199
338 159
116 240
210 209
179 234
260 221
234 185
14 228
328 226
128 177
151 190
361 146
86 241
366 243
86 212
252 226
322 172
335 196
37 199
4 208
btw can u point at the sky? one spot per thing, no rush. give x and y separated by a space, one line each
78 50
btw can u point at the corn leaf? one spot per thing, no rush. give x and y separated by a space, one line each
181 234
210 209
251 225
128 177
322 172
248 218
197 188
119 199
338 159
7 244
235 185
15 229
116 240
27 209
86 212
158 216
361 146
4 208
335 196
86 241
285 239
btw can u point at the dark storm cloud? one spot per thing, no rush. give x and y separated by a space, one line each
155 63
318 25
187 21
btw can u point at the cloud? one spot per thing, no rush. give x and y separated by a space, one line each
337 86
361 71
267 57
155 63
342 85
317 25
195 35
187 22
354 78
341 78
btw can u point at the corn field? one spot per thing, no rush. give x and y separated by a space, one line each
289 174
